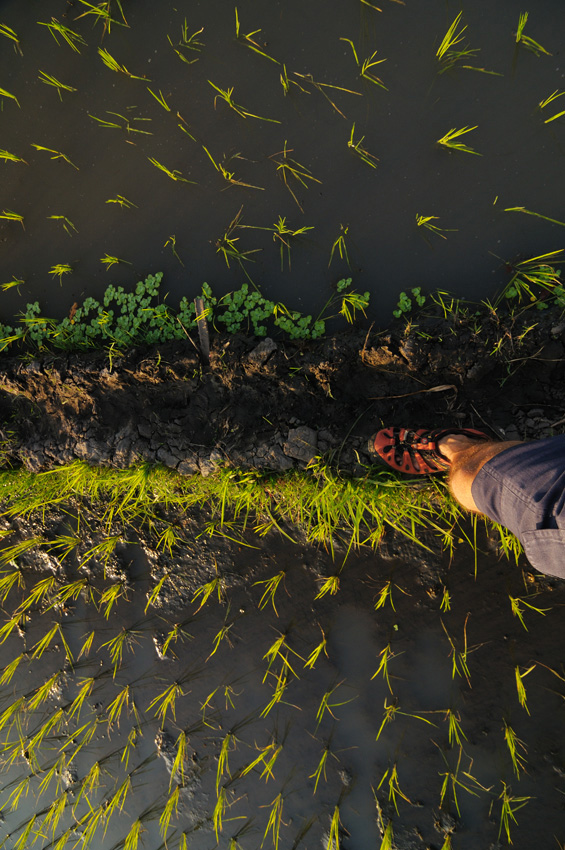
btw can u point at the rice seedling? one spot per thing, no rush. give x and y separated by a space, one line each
229 176
42 589
125 639
366 65
322 766
357 148
127 124
174 174
316 652
390 714
385 595
226 96
459 659
39 648
10 669
280 650
448 57
527 42
286 83
56 154
340 246
385 655
445 604
327 706
10 34
221 635
114 65
334 833
448 141
49 80
123 202
248 40
387 837
213 587
110 261
509 805
289 169
226 245
321 87
189 42
6 156
281 684
452 781
7 94
160 98
391 776
166 701
537 215
426 221
543 103
172 241
516 604
103 12
10 215
271 587
520 688
171 807
72 38
85 690
67 223
59 269
515 745
455 733
87 645
266 759
275 820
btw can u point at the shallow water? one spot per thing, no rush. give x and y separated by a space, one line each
521 162
227 691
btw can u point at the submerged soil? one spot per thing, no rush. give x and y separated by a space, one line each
276 405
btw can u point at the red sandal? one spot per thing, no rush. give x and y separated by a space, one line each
416 452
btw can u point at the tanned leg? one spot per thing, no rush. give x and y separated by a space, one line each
467 457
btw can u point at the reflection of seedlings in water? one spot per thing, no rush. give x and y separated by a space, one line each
67 223
9 33
114 65
53 81
508 807
110 261
189 42
289 169
72 38
174 175
527 42
249 41
10 215
357 148
103 12
543 103
226 95
229 176
172 241
6 156
4 93
340 246
366 65
448 141
56 154
426 221
122 202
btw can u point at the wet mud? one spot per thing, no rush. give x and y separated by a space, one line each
275 405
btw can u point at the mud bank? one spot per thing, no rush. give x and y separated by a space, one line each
275 405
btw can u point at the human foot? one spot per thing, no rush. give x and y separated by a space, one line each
421 452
